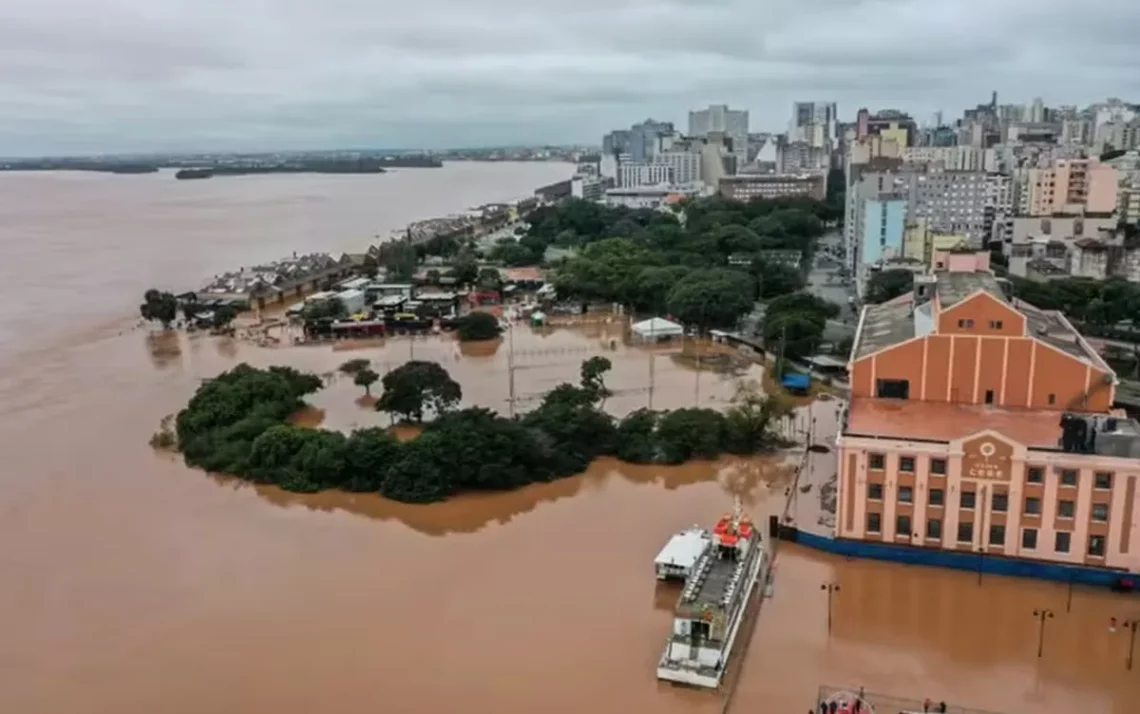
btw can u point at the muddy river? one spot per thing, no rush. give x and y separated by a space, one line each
131 584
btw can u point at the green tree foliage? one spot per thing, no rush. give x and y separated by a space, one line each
331 308
888 284
750 423
400 259
693 433
237 424
1096 304
775 279
797 320
160 307
478 325
465 270
352 366
711 297
417 387
365 378
636 437
594 377
637 258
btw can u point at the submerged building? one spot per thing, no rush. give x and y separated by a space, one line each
980 423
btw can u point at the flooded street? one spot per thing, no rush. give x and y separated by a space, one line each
132 584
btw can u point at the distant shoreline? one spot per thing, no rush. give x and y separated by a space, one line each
372 165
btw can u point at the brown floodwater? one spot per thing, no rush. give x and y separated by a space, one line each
133 584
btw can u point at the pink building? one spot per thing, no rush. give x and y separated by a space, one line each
980 423
1071 187
961 260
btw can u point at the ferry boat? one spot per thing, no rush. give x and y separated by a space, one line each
681 553
713 602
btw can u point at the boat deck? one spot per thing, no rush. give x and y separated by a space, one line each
711 580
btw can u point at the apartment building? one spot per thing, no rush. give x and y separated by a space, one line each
745 187
1069 187
982 424
640 173
952 158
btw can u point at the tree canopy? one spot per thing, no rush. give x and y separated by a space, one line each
796 323
637 257
888 284
478 325
417 387
160 307
237 424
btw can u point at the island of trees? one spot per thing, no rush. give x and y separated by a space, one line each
237 423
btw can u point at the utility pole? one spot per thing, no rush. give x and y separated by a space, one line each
652 360
511 369
831 589
779 365
1129 626
1042 616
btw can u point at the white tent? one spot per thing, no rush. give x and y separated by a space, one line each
656 328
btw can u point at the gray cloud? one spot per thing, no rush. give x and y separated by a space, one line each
122 75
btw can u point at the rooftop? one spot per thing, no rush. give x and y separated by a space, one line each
898 320
937 421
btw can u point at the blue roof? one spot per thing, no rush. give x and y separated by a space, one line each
794 380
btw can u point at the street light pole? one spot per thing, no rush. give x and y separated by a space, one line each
831 589
1131 626
1042 616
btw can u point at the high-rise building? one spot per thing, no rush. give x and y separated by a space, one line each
639 142
718 118
813 123
1068 187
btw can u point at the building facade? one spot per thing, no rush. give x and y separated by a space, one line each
1068 187
640 173
719 119
745 187
982 424
884 227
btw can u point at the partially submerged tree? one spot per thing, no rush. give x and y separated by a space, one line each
160 307
353 366
365 378
417 387
594 378
478 325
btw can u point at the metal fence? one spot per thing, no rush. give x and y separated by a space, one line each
873 703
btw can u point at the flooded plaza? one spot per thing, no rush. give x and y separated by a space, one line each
132 584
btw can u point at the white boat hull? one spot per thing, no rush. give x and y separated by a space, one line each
676 671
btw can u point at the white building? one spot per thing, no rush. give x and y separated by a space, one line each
635 173
587 187
648 196
684 165
952 158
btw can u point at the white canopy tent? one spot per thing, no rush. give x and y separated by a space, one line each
656 328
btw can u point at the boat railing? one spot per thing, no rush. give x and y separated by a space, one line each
875 703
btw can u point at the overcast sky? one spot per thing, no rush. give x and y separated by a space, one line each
155 75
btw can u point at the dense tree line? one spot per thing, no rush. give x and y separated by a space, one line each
238 424
885 285
1097 305
706 265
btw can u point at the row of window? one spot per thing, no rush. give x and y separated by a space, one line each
999 502
994 324
1062 540
1033 474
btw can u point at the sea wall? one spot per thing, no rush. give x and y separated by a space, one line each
957 560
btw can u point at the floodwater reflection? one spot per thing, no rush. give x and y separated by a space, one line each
752 479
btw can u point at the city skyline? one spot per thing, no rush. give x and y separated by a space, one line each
171 75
